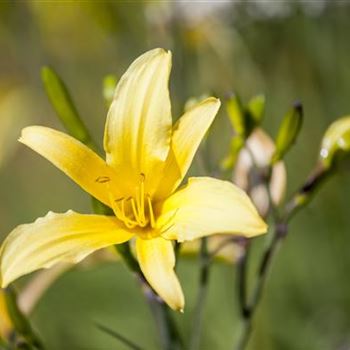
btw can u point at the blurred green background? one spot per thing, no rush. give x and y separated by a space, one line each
289 50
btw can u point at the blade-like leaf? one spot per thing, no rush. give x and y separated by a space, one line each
63 105
116 335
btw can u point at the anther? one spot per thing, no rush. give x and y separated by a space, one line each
102 179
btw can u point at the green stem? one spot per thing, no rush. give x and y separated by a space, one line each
250 309
20 322
177 249
242 278
201 297
169 336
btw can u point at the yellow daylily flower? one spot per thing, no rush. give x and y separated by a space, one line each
146 160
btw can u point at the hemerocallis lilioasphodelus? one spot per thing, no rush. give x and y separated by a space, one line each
146 160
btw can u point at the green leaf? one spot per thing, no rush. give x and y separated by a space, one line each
63 105
336 142
288 132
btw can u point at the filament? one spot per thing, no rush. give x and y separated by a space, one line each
151 214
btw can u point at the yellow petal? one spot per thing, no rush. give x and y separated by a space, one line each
67 237
187 134
206 206
138 127
157 261
75 159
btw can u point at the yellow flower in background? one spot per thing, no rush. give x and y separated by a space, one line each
146 160
5 322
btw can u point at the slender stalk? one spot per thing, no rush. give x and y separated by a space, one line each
300 199
201 296
242 278
250 309
20 322
177 249
169 336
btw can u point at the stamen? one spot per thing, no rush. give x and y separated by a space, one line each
151 214
120 212
141 213
142 196
140 220
128 222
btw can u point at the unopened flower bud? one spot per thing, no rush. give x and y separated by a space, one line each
260 147
336 142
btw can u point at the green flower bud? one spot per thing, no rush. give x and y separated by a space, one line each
236 145
336 142
256 109
109 84
244 119
288 132
236 115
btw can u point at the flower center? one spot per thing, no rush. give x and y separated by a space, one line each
134 210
